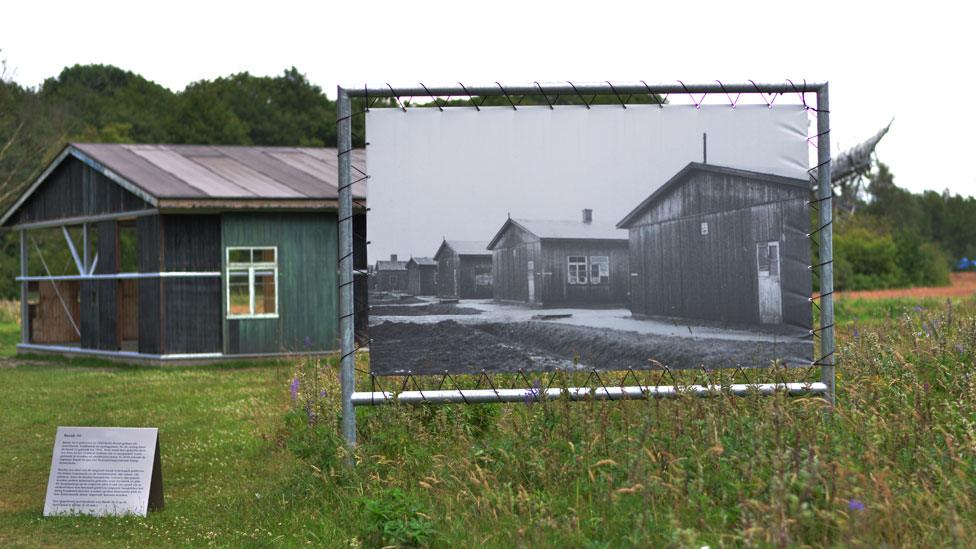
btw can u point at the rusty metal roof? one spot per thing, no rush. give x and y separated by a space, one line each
203 172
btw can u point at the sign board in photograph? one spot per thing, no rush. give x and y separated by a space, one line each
105 471
673 234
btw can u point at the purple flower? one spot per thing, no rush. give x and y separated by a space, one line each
294 389
960 349
857 333
308 343
919 308
855 505
532 394
322 393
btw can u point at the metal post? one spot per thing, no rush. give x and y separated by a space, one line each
24 307
346 320
826 191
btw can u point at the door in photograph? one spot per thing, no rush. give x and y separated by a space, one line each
770 291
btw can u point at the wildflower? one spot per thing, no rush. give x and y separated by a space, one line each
322 393
294 389
855 505
960 349
857 333
532 394
308 343
919 308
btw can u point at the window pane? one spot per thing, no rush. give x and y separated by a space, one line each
264 255
239 295
762 253
577 270
264 292
774 259
239 256
599 269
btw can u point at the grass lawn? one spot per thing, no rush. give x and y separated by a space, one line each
894 463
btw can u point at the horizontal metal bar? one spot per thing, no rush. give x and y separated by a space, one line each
68 221
117 354
120 276
483 396
174 356
587 89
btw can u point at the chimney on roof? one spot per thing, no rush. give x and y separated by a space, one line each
393 258
587 215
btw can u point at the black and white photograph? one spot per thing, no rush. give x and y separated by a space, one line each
608 238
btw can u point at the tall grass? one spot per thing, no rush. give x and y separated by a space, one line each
894 462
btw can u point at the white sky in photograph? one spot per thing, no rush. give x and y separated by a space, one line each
458 174
861 46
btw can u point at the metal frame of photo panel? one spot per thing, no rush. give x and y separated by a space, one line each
823 232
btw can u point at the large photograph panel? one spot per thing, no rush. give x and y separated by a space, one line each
575 238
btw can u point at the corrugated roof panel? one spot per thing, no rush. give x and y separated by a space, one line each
318 167
544 228
139 171
242 175
469 247
427 261
224 171
190 172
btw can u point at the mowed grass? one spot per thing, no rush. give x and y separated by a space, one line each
894 463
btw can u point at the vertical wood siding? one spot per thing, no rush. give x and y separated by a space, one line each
422 279
679 272
517 247
99 298
74 189
150 256
307 278
191 306
447 265
469 267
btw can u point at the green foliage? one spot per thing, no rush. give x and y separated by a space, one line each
396 518
870 255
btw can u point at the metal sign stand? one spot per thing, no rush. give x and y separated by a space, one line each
824 202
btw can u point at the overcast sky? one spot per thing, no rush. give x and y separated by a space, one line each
857 46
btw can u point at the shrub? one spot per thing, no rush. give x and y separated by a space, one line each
394 518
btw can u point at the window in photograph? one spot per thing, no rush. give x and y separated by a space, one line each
252 282
599 269
577 270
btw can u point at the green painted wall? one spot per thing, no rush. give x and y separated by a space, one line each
307 282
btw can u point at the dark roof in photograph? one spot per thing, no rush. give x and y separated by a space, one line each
465 247
388 265
211 173
699 167
562 230
423 261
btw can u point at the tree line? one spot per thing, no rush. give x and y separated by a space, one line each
895 238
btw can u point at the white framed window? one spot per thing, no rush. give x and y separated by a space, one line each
577 269
599 269
252 282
